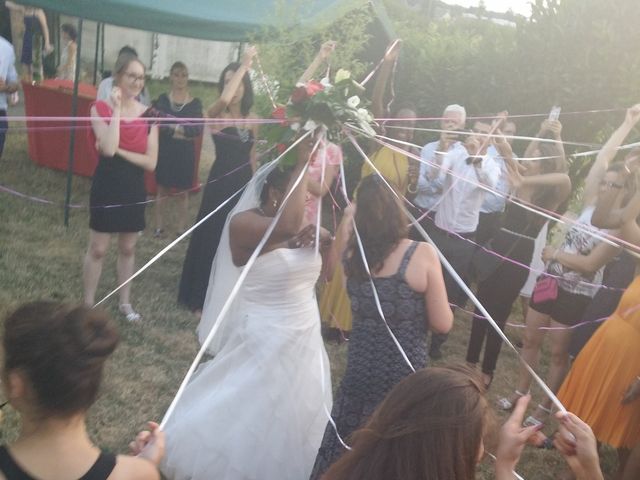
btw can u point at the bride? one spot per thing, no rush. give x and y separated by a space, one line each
258 409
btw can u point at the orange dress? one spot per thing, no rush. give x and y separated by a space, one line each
603 371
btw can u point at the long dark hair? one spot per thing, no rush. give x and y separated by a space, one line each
381 224
247 99
429 427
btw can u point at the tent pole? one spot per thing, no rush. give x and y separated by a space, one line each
102 49
74 114
95 57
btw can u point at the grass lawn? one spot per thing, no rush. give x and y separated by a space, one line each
41 259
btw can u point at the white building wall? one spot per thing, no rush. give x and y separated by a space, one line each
205 59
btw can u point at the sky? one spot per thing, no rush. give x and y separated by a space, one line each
518 6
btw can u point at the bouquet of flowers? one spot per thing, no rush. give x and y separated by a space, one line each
317 104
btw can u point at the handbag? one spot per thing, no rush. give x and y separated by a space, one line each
545 290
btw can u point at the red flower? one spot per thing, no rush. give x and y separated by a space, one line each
313 87
299 95
281 147
280 113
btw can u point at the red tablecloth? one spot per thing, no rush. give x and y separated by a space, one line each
49 140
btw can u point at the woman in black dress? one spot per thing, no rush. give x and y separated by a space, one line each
127 146
408 279
177 155
234 139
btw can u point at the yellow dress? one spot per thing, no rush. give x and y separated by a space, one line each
393 166
335 306
603 371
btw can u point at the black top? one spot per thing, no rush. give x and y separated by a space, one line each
374 362
176 157
100 470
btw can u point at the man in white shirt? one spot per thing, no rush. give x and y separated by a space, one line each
428 191
8 85
493 205
463 175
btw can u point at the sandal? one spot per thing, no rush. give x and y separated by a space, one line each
506 404
129 313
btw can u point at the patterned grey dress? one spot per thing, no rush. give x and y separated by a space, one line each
374 363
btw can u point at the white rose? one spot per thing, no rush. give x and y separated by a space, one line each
354 101
310 125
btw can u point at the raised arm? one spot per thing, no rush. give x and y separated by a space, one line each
108 135
322 56
247 228
380 86
42 18
607 153
436 301
610 212
231 87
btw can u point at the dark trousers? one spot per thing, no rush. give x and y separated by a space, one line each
458 252
4 126
497 294
488 226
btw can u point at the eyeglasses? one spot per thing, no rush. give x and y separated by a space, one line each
615 185
132 77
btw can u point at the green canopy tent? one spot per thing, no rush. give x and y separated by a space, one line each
218 20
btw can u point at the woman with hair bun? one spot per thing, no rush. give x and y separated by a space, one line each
54 357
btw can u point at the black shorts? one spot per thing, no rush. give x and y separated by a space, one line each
567 309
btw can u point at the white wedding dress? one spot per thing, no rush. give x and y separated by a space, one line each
257 410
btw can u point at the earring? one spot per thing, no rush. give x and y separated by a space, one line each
275 204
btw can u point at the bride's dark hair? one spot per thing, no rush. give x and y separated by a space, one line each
381 224
277 179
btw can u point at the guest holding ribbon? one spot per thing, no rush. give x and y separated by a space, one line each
54 356
603 386
176 153
235 141
543 184
394 166
433 425
408 280
127 146
573 273
325 162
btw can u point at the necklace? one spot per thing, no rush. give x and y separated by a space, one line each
175 106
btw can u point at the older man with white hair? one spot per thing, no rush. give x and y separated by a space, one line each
428 191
